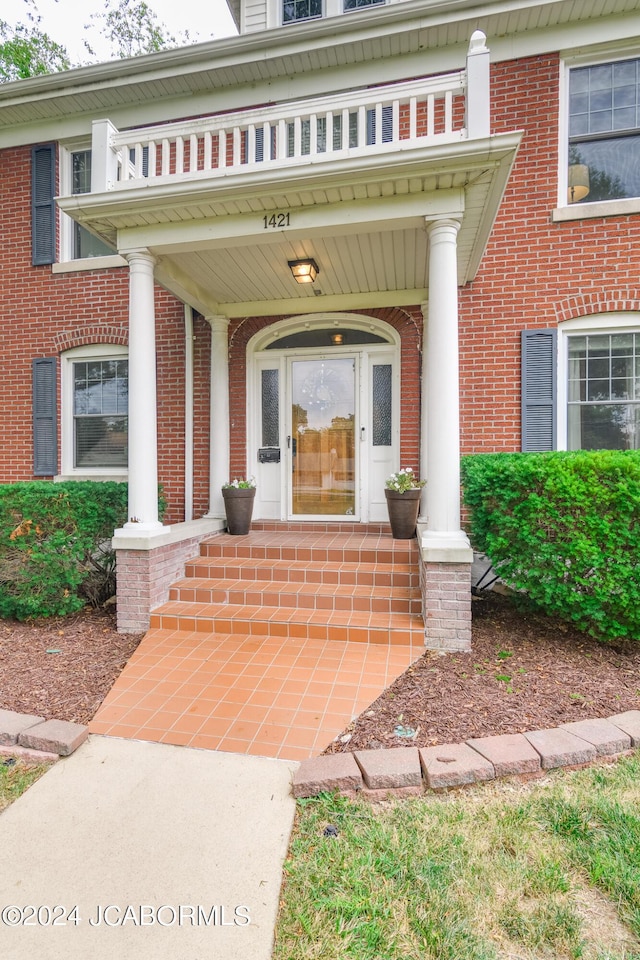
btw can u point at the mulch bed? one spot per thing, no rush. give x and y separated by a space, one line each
526 671
551 673
62 668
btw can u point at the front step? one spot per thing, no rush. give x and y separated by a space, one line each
261 593
401 628
311 584
402 575
341 548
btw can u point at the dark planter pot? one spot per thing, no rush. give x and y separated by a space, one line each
238 505
403 512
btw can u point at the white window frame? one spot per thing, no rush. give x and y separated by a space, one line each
330 8
93 351
602 208
605 323
66 262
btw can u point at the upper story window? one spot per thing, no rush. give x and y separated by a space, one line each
604 132
295 10
80 243
357 4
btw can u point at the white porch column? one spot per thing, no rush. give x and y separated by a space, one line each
143 445
219 436
440 439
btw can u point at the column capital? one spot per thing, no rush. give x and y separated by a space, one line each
443 227
140 255
218 323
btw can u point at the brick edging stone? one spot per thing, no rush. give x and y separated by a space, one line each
35 738
403 771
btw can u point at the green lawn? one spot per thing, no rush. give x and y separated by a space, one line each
17 777
506 871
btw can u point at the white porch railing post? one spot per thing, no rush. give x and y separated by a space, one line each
478 108
104 157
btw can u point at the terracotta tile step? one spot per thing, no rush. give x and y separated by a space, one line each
318 526
396 628
320 548
304 595
402 575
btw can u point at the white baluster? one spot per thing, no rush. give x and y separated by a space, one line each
179 155
193 153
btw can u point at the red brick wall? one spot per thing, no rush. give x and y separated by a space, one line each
408 323
42 314
535 273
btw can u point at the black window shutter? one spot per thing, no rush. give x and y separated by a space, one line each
539 390
43 212
45 439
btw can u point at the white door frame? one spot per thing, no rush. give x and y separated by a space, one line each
272 495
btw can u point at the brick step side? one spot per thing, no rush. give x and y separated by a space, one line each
303 595
401 628
380 575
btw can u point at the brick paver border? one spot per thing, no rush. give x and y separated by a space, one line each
34 738
456 765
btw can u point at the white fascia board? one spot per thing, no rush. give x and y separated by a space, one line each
326 220
566 37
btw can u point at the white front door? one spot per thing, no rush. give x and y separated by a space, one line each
324 432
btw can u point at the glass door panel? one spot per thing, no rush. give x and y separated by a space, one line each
323 449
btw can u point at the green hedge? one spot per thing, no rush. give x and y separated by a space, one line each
564 528
55 545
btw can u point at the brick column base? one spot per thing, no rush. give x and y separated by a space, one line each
446 604
145 571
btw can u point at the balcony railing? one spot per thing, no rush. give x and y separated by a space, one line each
377 120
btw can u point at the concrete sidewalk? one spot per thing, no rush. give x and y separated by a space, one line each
144 851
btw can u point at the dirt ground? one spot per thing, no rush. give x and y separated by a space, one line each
525 671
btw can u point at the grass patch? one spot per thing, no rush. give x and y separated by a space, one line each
17 777
546 870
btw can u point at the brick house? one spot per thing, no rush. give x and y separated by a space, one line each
356 237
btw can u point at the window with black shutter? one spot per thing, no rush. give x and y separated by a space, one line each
539 390
45 440
43 214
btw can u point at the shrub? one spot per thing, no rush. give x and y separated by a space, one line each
565 529
55 545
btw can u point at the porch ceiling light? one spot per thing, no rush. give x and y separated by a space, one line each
304 271
578 182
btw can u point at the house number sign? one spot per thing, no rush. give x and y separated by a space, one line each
276 220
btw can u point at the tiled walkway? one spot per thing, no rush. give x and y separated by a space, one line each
272 643
256 695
